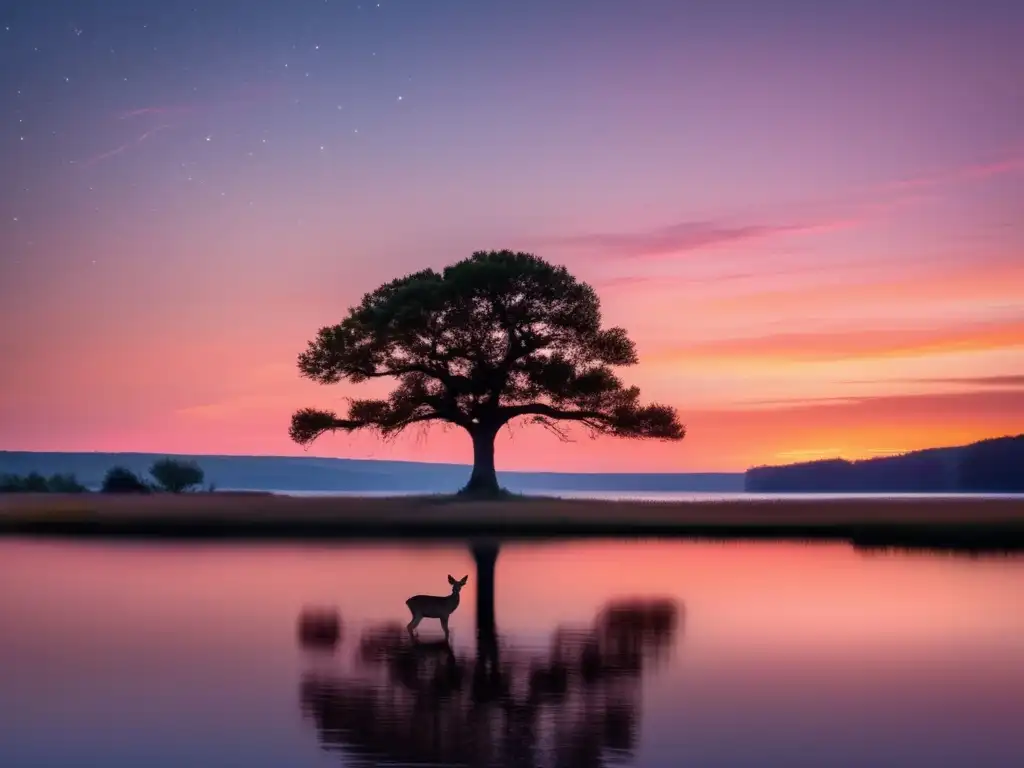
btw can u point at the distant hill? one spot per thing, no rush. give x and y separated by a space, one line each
988 466
286 473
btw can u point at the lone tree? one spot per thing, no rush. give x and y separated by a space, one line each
176 476
495 337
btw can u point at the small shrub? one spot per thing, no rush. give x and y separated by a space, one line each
68 483
11 483
176 476
34 482
123 480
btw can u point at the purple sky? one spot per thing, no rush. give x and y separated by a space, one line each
776 198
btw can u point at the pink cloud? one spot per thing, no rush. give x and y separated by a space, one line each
157 110
1011 162
248 93
691 236
127 145
1011 381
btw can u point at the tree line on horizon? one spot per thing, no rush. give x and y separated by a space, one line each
988 466
504 337
169 476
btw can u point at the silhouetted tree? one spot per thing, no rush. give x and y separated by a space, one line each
123 480
33 482
64 483
492 338
36 483
175 475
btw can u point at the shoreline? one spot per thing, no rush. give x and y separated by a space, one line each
968 524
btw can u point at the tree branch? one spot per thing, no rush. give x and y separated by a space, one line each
553 427
510 412
309 423
622 420
339 352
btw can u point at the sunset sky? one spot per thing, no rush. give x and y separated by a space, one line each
809 215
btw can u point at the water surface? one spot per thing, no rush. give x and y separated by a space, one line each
667 496
598 652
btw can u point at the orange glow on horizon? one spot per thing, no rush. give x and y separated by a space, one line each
776 342
870 343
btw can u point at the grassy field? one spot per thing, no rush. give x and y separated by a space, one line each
968 523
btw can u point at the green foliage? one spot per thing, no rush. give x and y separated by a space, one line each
492 338
176 476
123 480
34 482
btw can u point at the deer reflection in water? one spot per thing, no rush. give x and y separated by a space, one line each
577 703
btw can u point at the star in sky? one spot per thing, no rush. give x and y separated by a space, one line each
674 154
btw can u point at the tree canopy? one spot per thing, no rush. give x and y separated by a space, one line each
176 476
492 338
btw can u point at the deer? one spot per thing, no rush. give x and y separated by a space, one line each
434 606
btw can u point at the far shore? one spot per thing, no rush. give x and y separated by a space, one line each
945 523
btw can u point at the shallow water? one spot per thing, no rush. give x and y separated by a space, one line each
639 653
668 496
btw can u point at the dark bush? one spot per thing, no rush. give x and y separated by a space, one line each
175 475
11 484
33 482
123 480
58 483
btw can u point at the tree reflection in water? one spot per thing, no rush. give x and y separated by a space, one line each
576 703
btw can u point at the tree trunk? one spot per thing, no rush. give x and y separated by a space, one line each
484 480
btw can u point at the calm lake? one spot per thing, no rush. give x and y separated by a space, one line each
667 496
657 653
